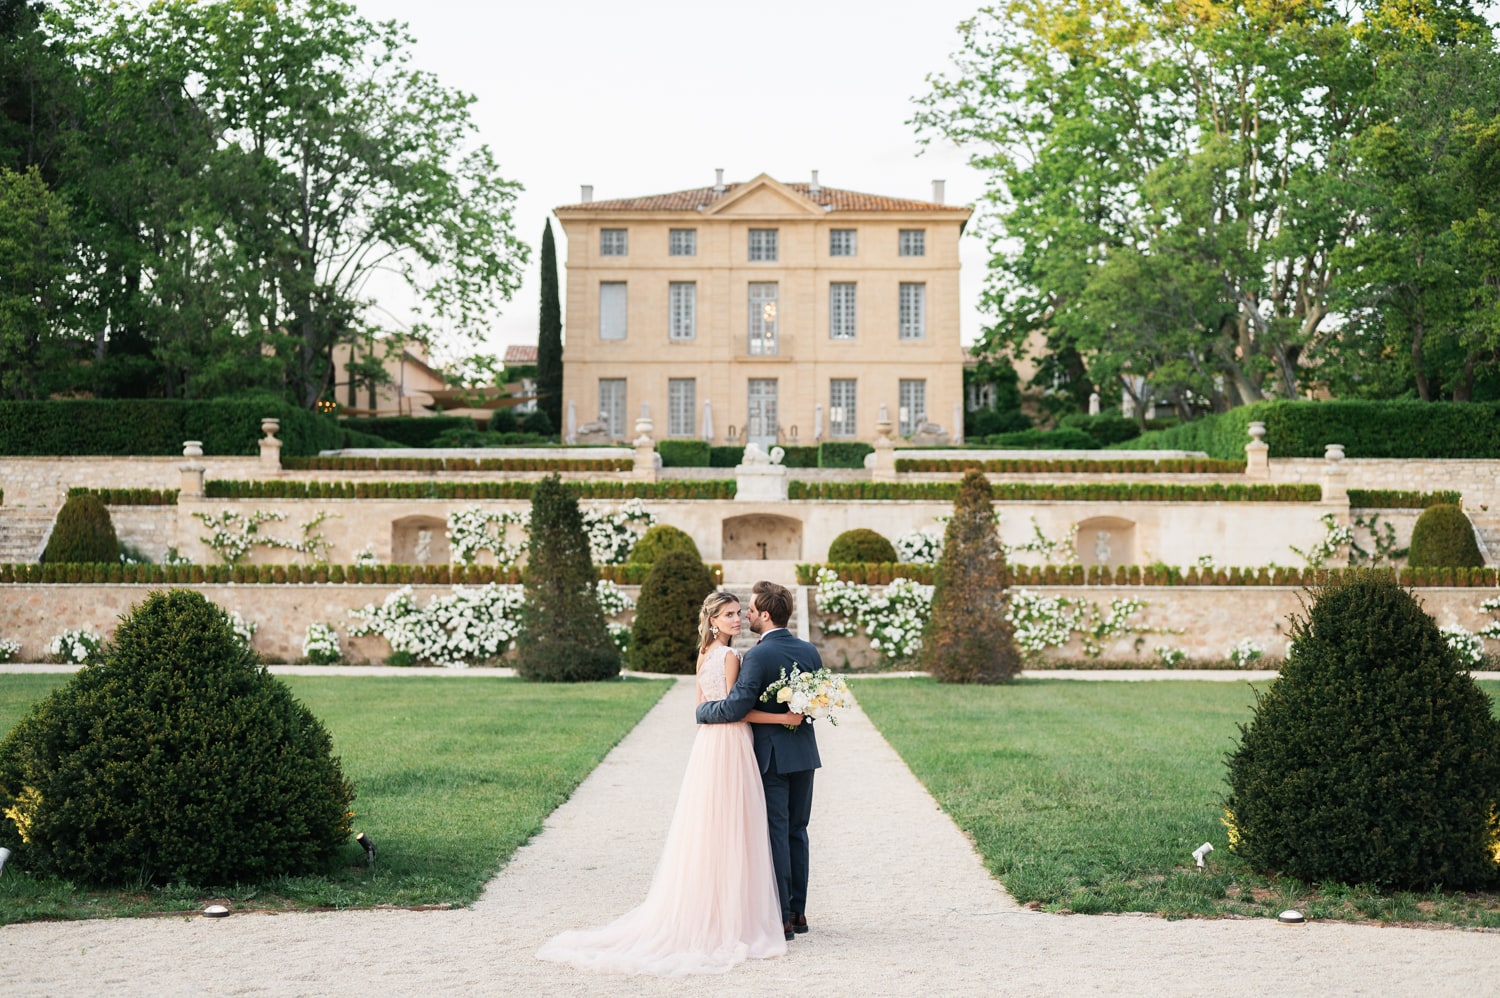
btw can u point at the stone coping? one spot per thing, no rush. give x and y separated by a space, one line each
477 453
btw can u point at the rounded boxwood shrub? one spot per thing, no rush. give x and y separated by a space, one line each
537 421
177 758
1444 538
657 541
860 545
82 532
1374 757
664 637
503 421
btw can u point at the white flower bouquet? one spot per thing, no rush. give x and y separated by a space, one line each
817 694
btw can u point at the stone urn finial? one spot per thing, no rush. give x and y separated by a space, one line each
270 427
192 448
1333 453
1258 432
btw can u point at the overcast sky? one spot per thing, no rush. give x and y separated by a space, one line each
651 97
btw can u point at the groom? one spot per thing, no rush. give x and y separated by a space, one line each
787 758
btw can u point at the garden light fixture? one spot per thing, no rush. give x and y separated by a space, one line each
369 847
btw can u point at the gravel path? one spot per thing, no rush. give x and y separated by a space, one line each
899 905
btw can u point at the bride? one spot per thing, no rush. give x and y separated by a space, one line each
713 901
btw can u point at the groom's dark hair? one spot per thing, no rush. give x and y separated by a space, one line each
773 600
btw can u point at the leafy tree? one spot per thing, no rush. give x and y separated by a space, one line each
563 637
549 349
37 260
967 638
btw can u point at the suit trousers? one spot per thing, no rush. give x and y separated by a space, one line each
788 808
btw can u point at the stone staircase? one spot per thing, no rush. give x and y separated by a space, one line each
796 625
1487 532
23 533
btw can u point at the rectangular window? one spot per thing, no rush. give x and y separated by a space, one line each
682 402
913 242
764 320
682 242
682 308
841 311
841 242
612 310
913 311
841 408
913 399
611 242
763 245
612 405
761 426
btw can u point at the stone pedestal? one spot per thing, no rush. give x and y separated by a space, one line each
1335 477
270 447
1258 454
762 477
191 482
645 449
882 463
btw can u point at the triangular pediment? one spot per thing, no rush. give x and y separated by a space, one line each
764 197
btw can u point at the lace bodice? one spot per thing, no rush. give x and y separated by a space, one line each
711 680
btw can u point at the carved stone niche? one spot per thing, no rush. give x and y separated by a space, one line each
762 537
419 540
1106 540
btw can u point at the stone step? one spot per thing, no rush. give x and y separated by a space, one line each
23 534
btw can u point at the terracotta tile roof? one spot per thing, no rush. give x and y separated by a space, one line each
840 200
520 354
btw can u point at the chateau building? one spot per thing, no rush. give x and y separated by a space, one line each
765 312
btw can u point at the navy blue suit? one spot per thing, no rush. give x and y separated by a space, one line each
787 758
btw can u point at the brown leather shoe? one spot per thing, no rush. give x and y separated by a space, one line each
799 922
791 932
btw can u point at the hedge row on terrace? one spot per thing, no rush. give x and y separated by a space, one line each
147 427
882 573
1087 466
1064 492
285 489
380 575
435 464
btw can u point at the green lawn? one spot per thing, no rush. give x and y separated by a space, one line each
1091 796
452 774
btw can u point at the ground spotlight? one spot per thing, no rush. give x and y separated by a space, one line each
369 846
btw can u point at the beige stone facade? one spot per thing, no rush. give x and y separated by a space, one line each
763 311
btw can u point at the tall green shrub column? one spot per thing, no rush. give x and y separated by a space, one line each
177 758
563 637
1374 757
82 532
664 637
549 347
968 638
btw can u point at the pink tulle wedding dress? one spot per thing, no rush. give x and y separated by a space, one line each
712 903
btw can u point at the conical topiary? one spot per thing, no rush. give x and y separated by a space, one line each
82 532
1443 537
660 539
861 545
664 637
176 759
968 638
1374 757
563 637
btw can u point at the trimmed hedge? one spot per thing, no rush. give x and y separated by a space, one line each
861 544
1399 499
108 573
843 454
1366 429
1443 537
286 489
439 464
725 457
1088 466
147 427
1064 492
129 497
1064 439
683 453
882 573
409 431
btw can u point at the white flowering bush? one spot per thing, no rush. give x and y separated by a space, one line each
1169 657
1335 539
366 555
1041 622
1062 551
320 645
75 647
613 532
9 648
476 529
614 602
470 624
1242 654
1491 630
242 628
892 621
1470 647
234 534
920 547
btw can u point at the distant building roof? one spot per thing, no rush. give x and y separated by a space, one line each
702 197
520 355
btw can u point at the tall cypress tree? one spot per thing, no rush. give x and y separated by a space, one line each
549 369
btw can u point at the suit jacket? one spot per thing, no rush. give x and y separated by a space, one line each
776 749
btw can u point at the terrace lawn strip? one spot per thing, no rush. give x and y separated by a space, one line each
453 774
1090 797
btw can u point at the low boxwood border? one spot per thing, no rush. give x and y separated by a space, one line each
94 574
1065 491
437 464
1085 466
882 573
292 489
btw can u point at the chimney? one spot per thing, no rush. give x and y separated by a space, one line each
813 187
937 191
719 180
586 192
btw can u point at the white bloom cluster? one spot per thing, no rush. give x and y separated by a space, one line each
1043 622
74 646
893 620
1169 657
1244 653
920 547
8 649
1059 552
234 534
1470 647
366 555
1335 539
321 644
468 625
612 599
612 533
476 529
242 628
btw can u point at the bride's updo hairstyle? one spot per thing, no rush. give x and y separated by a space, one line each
713 604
